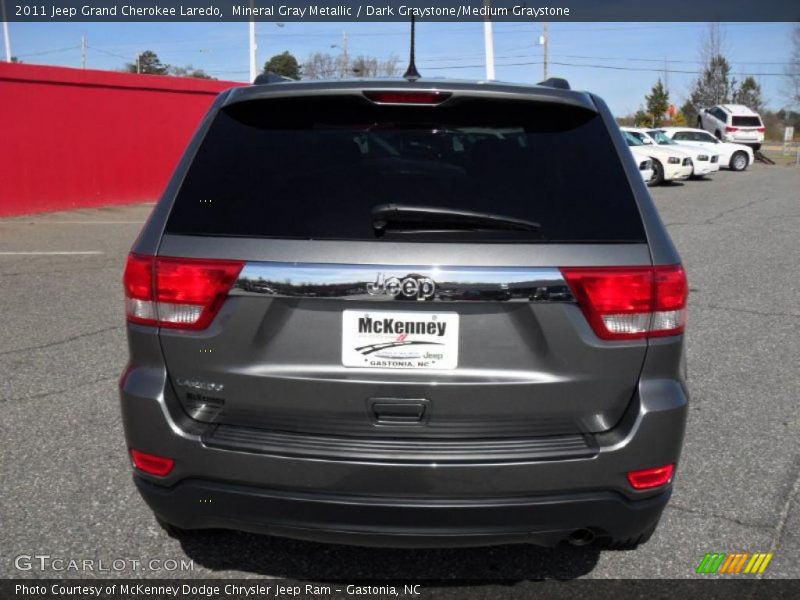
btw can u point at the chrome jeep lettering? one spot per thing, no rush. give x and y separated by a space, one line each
410 287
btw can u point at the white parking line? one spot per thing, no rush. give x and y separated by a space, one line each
22 253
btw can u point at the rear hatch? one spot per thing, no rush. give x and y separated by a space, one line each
746 128
341 323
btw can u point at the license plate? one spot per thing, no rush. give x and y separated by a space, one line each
399 340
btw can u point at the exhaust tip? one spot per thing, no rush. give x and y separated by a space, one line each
581 537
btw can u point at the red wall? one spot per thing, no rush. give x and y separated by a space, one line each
76 138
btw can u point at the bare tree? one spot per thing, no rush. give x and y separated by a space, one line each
320 66
364 66
389 67
324 66
713 43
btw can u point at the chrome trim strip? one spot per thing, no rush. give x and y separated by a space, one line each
401 282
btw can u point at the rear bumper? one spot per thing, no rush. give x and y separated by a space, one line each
375 498
752 142
545 520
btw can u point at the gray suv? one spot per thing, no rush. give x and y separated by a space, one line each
398 313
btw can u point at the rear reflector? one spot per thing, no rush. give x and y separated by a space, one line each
151 464
651 478
631 302
410 97
183 293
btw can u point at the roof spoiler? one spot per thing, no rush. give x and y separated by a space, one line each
270 78
555 82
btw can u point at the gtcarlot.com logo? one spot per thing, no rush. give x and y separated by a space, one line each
735 563
48 562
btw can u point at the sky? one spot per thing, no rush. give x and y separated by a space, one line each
618 61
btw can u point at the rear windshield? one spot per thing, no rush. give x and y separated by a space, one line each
745 121
313 168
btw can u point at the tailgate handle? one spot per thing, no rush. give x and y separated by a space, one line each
398 411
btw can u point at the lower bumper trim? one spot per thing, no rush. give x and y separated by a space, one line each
400 522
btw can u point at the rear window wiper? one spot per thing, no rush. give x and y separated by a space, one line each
427 218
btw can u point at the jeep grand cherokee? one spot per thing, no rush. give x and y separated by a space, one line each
406 314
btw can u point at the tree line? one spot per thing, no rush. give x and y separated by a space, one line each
717 85
319 65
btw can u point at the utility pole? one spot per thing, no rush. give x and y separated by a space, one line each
345 56
138 63
488 41
6 37
253 45
545 41
83 52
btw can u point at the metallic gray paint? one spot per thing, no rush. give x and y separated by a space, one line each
277 358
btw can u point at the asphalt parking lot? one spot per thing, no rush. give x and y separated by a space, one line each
66 488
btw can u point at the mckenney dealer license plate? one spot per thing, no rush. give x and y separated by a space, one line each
399 340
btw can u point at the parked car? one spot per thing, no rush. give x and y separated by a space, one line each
668 164
276 382
736 157
733 123
703 162
644 162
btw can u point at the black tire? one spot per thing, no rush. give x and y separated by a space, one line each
718 134
630 543
171 530
699 123
658 174
739 161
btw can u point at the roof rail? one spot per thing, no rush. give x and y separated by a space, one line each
555 82
270 78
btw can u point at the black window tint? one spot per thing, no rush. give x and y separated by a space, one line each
682 135
311 168
746 122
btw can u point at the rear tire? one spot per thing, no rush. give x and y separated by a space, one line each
699 123
739 161
658 174
171 530
630 543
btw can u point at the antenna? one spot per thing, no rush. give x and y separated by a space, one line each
411 72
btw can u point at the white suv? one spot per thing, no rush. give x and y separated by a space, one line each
733 123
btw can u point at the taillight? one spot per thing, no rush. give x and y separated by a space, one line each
623 303
761 129
410 97
151 464
183 293
651 478
729 129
